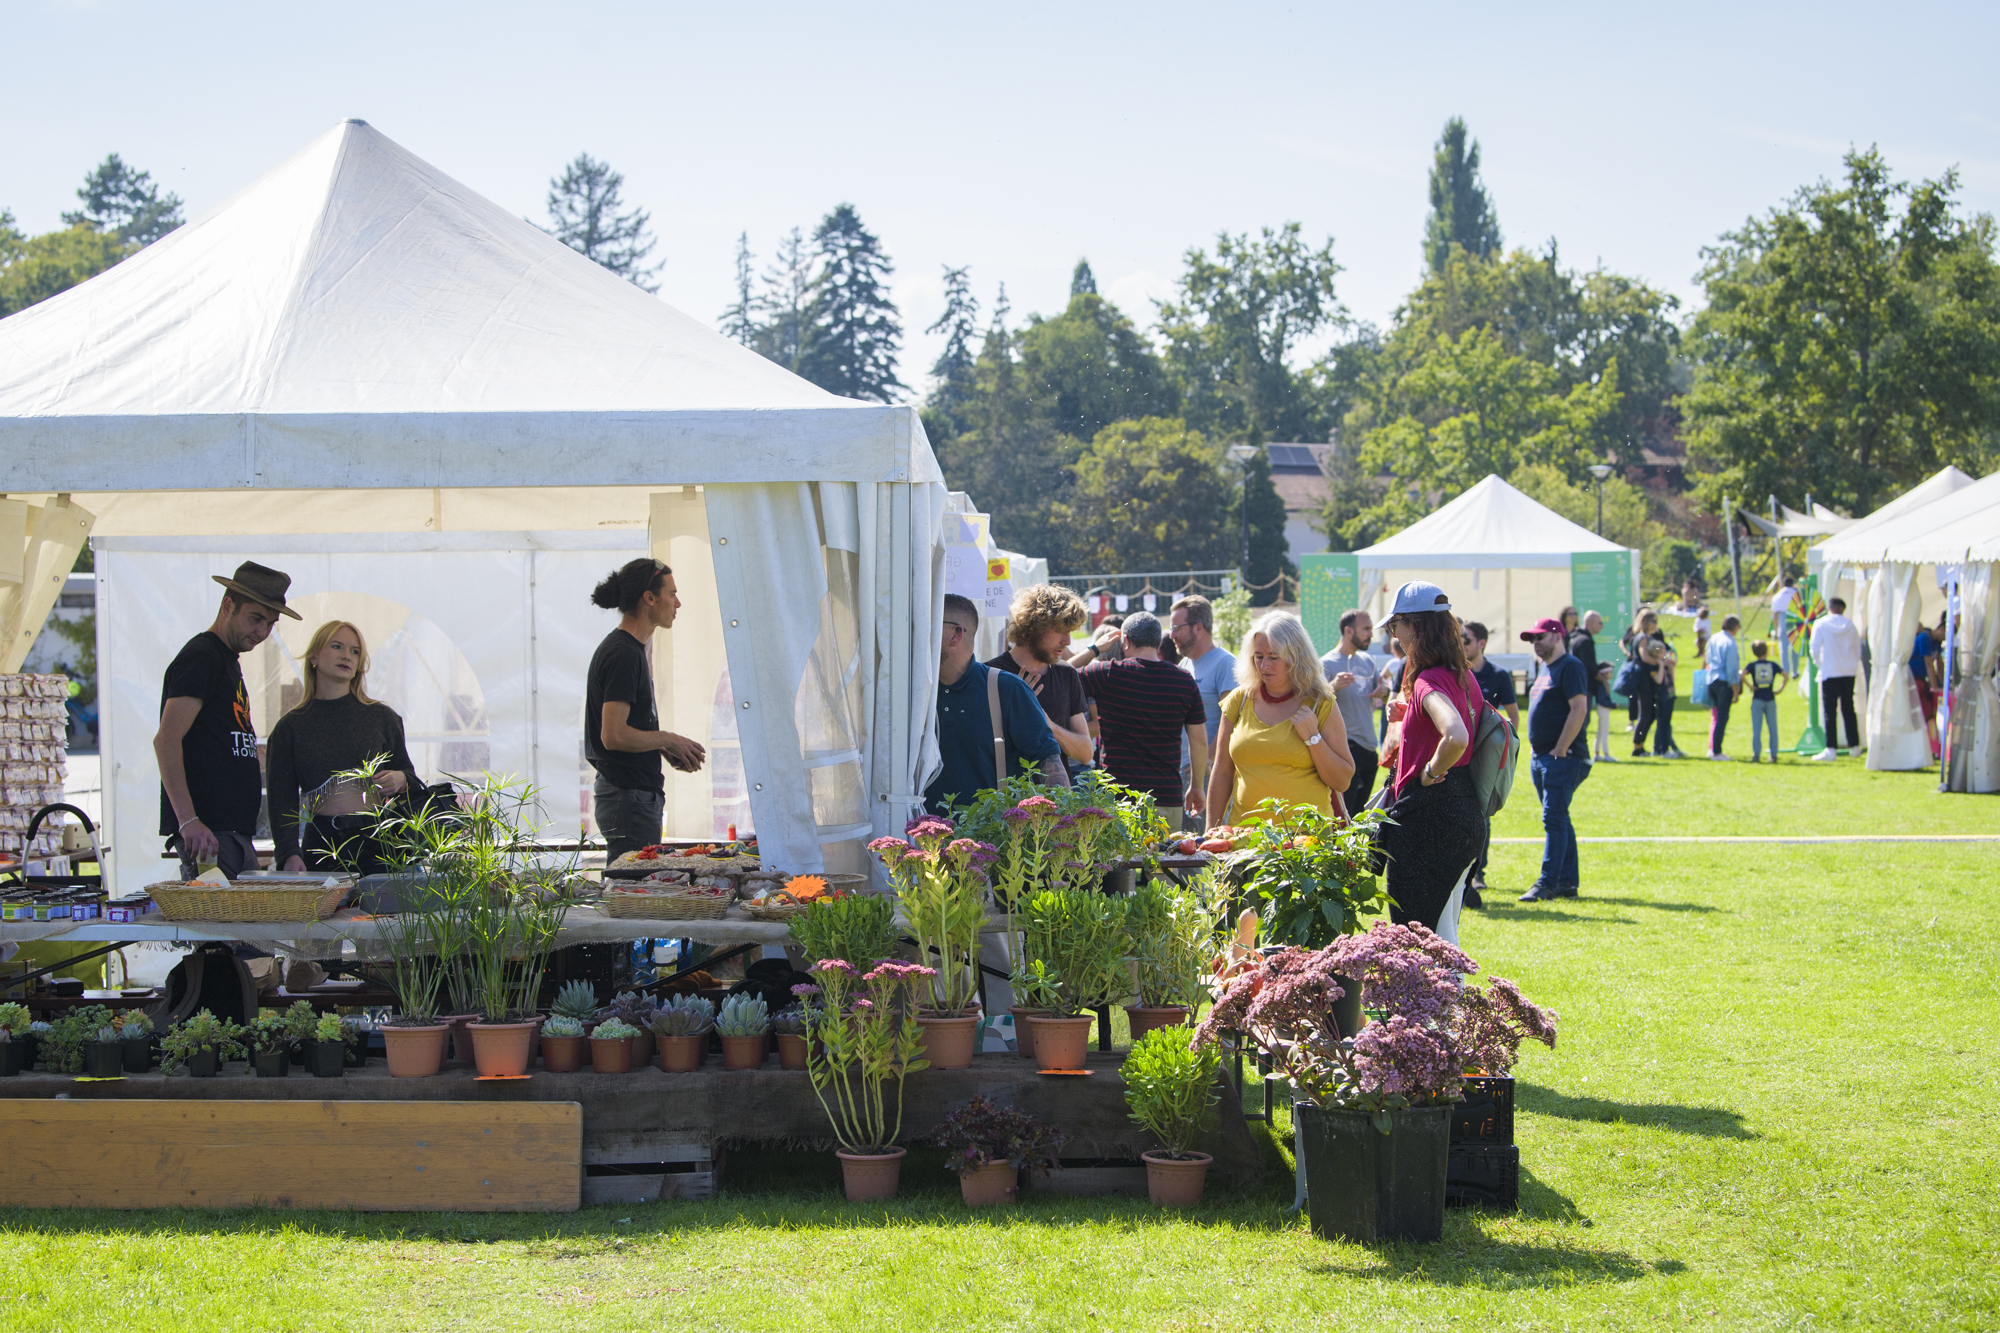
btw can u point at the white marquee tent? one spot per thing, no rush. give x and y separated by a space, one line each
1506 561
446 425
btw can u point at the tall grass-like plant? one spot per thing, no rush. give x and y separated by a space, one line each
864 1038
942 886
1074 950
1170 1086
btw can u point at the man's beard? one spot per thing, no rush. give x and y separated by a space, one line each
1046 656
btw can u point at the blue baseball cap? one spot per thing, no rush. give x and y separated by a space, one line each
1417 595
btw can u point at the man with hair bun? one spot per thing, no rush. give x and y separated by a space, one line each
621 735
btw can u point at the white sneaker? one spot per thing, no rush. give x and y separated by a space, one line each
1606 759
1826 756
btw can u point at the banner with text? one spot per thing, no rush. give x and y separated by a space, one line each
1601 581
1329 584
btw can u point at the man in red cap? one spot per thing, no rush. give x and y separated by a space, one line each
1558 704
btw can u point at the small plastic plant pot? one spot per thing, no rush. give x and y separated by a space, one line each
740 1053
791 1051
563 1055
611 1055
327 1059
1175 1182
1061 1043
948 1042
204 1064
275 1063
13 1058
1147 1018
871 1177
104 1059
138 1054
415 1052
984 1186
682 1055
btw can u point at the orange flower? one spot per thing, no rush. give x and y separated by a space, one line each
805 888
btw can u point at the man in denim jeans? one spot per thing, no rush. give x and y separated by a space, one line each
1558 704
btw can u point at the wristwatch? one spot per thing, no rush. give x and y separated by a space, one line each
1314 739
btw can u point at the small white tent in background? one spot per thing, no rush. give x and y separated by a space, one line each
445 425
974 567
1506 561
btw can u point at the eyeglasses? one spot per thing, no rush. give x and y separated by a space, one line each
953 624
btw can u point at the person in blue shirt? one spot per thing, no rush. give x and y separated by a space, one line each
965 719
1558 704
1725 683
1927 653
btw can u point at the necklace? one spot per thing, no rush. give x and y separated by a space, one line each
1271 698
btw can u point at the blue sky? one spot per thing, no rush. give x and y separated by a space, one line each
1017 138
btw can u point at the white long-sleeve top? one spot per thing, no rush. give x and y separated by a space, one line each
1836 647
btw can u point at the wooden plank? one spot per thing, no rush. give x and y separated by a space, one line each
613 1147
376 1156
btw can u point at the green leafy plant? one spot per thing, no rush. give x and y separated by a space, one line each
561 1025
14 1018
1310 877
1170 1086
327 1028
612 1029
1172 935
743 1016
62 1047
300 1020
268 1033
864 1038
980 1133
684 1016
198 1032
857 927
576 1002
941 884
1078 938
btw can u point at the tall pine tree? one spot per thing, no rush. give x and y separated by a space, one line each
853 333
1269 553
125 202
783 307
952 374
584 204
739 321
1461 210
1082 282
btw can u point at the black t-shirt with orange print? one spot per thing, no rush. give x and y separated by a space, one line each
220 749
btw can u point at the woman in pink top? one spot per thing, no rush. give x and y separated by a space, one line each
1439 827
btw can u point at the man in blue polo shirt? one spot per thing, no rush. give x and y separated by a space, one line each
965 719
1558 703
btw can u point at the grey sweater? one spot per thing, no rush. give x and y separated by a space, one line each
312 743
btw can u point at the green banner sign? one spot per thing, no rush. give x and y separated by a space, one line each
1601 581
1329 583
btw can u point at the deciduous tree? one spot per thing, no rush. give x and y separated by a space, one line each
1149 495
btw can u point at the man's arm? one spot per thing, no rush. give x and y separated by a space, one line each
682 753
1197 741
1074 738
1579 707
176 719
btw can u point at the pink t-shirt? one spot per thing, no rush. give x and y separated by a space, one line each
1420 734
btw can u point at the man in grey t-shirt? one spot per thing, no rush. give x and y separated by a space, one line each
1357 687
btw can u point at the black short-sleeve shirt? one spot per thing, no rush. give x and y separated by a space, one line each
620 674
1144 708
219 751
1497 684
1059 691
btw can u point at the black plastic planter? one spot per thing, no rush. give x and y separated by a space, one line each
326 1059
203 1064
273 1064
1347 1009
31 1050
13 1058
357 1053
104 1059
1364 1185
138 1054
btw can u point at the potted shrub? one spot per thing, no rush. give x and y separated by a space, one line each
563 1044
611 1046
941 886
863 1037
1170 1088
1373 1109
744 1025
789 1026
421 941
105 1057
680 1032
354 1031
637 1011
989 1146
16 1050
1074 961
202 1042
858 927
135 1031
1171 936
270 1046
326 1057
301 1025
62 1047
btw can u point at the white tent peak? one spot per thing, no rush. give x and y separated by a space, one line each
1490 526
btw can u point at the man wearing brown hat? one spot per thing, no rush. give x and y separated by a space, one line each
210 782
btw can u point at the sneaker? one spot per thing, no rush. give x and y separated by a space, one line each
1566 891
1473 900
1606 759
1672 754
1537 894
1638 754
1826 756
1721 758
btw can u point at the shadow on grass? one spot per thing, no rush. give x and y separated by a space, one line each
1702 1121
1513 911
1458 1261
1653 905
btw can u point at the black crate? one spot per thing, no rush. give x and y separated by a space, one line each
1487 1113
1483 1175
606 966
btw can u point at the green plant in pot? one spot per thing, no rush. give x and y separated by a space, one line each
326 1057
988 1147
744 1025
942 888
270 1045
1171 935
611 1046
301 1023
1074 961
1170 1088
863 1042
636 1009
422 941
565 1036
857 927
62 1048
203 1043
355 1032
788 1029
681 1030
135 1033
104 1057
16 1049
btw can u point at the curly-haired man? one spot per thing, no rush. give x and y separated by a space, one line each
1039 624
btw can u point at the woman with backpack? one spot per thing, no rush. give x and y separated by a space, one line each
1439 825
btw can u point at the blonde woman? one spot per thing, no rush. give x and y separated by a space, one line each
1281 736
336 727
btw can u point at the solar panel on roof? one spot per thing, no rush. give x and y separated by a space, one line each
1292 456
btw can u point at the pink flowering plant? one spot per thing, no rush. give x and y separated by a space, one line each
1426 1027
862 1037
941 886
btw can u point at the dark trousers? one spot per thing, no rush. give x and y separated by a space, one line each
1656 710
628 819
1720 697
1839 691
235 854
1556 779
326 844
1436 833
1366 762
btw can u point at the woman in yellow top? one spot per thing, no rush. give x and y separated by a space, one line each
1281 735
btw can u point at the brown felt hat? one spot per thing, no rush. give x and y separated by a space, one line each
264 586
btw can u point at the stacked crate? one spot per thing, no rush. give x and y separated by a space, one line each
1484 1168
34 731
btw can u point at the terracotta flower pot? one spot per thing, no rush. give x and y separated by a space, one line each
413 1051
983 1186
948 1042
871 1177
791 1051
1146 1019
744 1052
611 1055
1024 1036
461 1035
1061 1043
563 1055
500 1049
643 1049
682 1055
1175 1182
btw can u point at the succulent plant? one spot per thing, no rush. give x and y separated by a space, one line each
743 1016
576 1001
612 1029
562 1025
632 1007
14 1017
328 1028
684 1016
267 1033
789 1022
200 1031
301 1021
108 1035
134 1024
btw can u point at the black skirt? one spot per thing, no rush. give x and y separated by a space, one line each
1437 833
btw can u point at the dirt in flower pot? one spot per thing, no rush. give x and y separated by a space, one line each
611 1055
871 1177
1062 1043
326 1059
988 1184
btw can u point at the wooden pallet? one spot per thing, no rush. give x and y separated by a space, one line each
645 1166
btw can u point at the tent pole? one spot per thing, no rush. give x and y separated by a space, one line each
1735 562
901 626
866 495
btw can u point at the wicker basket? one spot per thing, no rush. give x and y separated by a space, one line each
246 902
780 906
662 906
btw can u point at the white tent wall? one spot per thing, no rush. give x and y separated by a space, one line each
1975 715
494 630
1896 737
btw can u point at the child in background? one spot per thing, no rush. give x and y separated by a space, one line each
1765 681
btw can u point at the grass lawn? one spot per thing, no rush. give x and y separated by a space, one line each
1769 1110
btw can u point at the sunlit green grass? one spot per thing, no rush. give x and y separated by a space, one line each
1770 1108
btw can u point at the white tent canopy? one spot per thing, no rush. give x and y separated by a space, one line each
360 347
1494 529
1925 512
